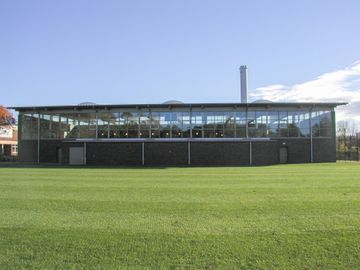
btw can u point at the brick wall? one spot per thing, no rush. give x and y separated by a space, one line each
27 151
113 153
220 153
166 153
298 150
265 153
176 153
324 150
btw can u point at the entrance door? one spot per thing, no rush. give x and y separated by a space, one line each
76 156
58 155
283 155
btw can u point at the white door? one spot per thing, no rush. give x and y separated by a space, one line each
76 156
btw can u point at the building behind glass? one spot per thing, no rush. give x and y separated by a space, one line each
229 134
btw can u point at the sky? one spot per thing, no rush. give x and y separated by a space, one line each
114 52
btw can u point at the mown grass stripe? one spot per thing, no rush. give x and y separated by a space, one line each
304 216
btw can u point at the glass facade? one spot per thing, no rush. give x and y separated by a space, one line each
186 123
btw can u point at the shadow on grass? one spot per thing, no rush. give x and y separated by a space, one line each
152 167
132 167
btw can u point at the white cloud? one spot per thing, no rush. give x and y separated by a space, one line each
337 86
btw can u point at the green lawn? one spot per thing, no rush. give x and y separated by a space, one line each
277 217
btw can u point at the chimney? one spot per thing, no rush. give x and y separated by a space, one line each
243 83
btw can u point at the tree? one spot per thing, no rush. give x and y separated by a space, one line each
347 135
6 117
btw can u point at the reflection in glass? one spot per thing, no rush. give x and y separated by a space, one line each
197 124
238 123
273 124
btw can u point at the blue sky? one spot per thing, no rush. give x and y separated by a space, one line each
67 52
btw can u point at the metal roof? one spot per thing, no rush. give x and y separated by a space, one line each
183 105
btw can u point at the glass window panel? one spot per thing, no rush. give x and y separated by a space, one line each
103 123
229 125
76 125
240 122
176 125
304 124
186 127
293 124
29 123
325 132
155 125
251 123
251 119
180 124
55 127
133 133
87 125
145 124
208 133
273 123
197 132
165 132
120 128
283 124
73 131
210 122
219 132
132 124
165 124
168 124
321 123
315 123
325 120
114 126
64 126
197 124
293 131
45 126
261 123
155 133
283 119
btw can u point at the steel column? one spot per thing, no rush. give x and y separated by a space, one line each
311 138
38 139
143 153
189 153
250 153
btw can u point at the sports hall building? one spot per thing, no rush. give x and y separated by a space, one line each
178 134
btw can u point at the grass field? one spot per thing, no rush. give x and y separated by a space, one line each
278 217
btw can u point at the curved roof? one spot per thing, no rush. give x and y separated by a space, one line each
173 102
87 103
262 101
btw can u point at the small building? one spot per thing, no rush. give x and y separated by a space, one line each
178 134
8 141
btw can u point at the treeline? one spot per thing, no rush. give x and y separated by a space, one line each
348 141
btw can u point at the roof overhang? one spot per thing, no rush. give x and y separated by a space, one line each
296 105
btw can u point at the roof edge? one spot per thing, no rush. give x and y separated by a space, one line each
183 105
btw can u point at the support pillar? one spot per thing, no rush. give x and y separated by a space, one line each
311 139
84 153
250 153
143 153
38 139
189 153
